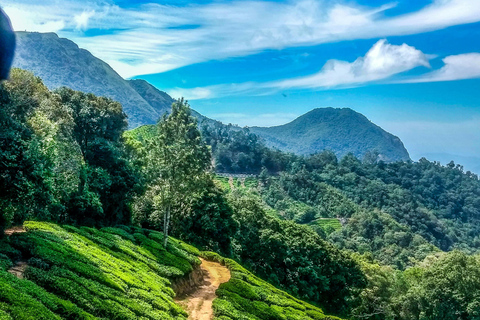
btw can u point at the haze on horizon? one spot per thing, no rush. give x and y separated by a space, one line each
412 67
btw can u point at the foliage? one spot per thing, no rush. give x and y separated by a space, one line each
247 297
443 286
176 163
209 222
400 212
293 257
62 155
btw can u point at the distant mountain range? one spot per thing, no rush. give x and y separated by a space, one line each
60 62
339 130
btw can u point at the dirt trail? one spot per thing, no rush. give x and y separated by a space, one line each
17 229
19 268
199 303
230 182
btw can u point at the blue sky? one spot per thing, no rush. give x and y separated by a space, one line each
412 67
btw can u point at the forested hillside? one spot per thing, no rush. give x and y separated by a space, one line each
64 160
359 239
342 131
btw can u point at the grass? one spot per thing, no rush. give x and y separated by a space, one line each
327 223
247 297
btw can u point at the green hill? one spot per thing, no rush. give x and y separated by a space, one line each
339 130
123 273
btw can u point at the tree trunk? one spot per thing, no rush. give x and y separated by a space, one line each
166 222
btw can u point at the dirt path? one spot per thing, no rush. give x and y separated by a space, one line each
230 182
19 268
199 303
17 229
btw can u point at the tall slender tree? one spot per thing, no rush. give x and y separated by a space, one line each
177 162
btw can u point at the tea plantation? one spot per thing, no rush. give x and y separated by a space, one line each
247 297
122 273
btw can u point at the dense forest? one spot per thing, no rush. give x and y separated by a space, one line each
362 239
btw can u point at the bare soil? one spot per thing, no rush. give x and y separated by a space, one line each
19 269
199 303
230 182
17 229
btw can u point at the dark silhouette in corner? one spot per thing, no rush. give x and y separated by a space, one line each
7 45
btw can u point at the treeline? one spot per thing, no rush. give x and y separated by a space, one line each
61 155
237 150
397 211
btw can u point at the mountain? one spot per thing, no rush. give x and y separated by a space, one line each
60 62
339 130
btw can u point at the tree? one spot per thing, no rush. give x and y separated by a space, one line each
176 165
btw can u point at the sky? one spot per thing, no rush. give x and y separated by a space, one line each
410 66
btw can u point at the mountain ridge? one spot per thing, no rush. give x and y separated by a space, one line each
68 65
341 130
60 62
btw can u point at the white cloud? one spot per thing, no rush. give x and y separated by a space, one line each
191 94
82 19
382 61
153 40
36 20
457 67
264 119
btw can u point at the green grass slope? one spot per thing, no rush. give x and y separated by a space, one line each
122 273
84 273
247 297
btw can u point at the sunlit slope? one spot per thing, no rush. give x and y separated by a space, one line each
84 273
246 297
122 273
342 131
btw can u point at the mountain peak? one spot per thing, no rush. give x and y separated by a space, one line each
341 130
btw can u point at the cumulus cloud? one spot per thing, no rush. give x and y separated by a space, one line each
82 19
183 35
382 61
457 67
